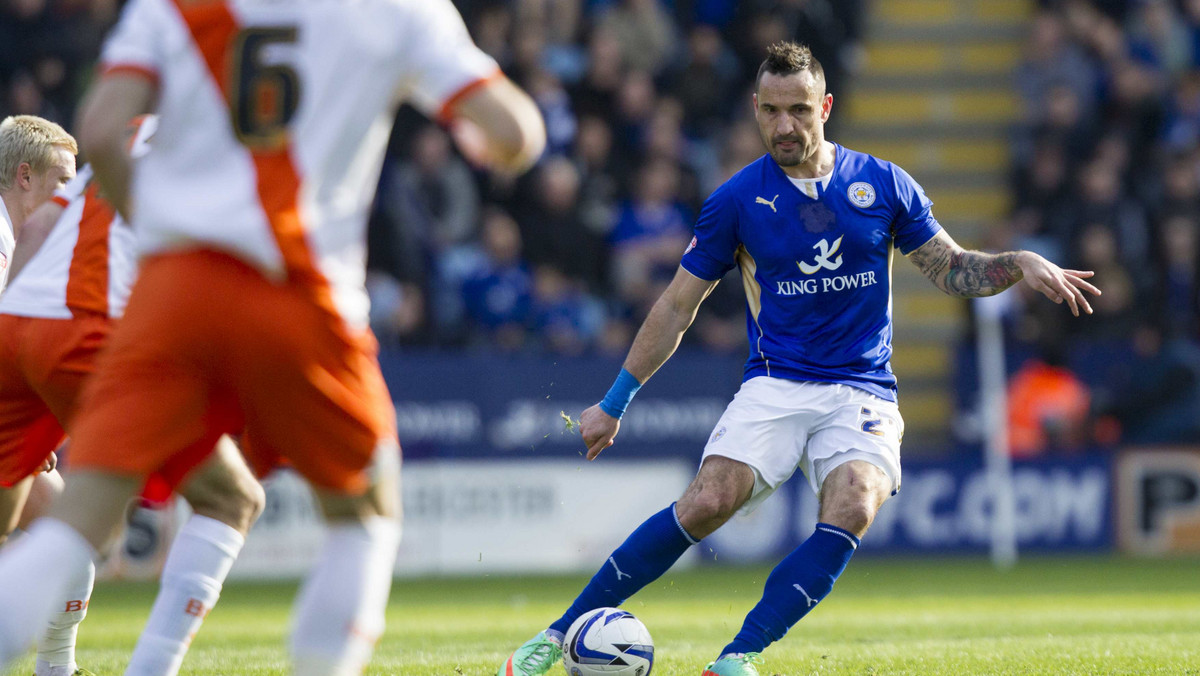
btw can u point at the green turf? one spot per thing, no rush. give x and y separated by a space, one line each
886 616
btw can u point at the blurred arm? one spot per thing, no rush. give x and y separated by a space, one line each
512 130
33 234
105 114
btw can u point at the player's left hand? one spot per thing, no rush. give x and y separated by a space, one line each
1056 283
49 463
597 429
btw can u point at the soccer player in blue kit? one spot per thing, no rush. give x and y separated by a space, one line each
813 227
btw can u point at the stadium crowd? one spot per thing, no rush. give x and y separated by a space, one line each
646 109
1106 177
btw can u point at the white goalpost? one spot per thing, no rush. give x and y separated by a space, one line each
993 416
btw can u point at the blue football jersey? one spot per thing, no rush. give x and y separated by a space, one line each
817 271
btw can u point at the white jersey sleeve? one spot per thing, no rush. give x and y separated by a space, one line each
442 59
135 43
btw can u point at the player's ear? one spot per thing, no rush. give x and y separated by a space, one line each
826 107
24 175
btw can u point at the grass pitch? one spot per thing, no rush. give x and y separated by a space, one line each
886 616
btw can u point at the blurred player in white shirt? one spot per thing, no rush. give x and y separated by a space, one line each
71 280
249 312
37 157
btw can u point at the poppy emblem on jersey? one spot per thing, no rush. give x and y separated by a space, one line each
717 435
817 217
862 194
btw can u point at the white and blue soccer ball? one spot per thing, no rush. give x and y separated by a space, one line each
608 642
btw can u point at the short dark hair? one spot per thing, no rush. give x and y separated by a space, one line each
787 57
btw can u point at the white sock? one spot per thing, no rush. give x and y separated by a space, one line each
339 613
35 575
199 560
56 650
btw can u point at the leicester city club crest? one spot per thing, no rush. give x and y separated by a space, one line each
861 194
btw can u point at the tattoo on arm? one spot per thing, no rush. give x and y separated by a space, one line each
967 274
974 273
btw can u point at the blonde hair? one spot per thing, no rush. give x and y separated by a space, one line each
31 140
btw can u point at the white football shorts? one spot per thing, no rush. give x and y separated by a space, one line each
776 425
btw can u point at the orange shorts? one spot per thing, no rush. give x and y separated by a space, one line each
208 346
43 365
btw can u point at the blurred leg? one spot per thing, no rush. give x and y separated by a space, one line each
47 487
12 504
339 612
226 499
57 554
850 497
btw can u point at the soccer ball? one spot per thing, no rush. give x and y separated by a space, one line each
608 642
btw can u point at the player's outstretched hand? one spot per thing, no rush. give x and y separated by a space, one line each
1056 283
598 429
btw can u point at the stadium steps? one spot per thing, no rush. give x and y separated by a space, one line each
935 95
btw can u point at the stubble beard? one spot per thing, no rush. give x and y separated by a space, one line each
790 158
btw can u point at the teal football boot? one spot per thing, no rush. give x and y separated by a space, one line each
535 657
734 665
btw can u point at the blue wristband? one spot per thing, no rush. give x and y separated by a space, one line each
620 394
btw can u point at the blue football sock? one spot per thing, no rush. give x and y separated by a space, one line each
644 556
801 579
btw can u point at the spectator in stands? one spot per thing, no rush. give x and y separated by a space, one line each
1159 37
397 309
1179 193
705 82
549 216
599 186
1153 389
555 105
498 295
637 99
644 32
444 190
1044 193
651 232
596 93
1121 305
1048 407
1102 201
1048 60
1177 297
1182 127
567 319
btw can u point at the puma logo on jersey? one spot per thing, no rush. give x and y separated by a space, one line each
763 200
825 257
